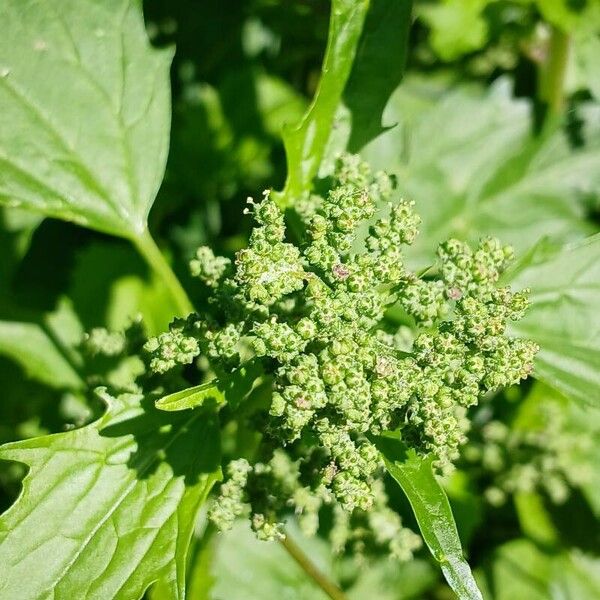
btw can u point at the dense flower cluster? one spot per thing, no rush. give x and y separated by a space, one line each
314 314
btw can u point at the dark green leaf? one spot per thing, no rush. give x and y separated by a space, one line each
377 69
43 359
84 126
305 143
108 509
432 511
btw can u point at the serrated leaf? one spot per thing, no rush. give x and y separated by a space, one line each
377 69
84 126
563 317
305 143
432 510
192 397
108 509
467 159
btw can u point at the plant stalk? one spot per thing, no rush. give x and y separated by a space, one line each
553 71
328 586
147 247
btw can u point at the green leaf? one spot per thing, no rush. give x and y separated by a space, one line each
231 389
244 568
563 317
466 157
569 16
377 69
432 511
43 343
306 142
108 509
235 565
84 126
192 397
122 287
31 345
542 407
457 26
388 579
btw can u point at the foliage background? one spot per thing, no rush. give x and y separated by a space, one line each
478 138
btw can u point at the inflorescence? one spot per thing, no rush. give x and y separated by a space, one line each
314 315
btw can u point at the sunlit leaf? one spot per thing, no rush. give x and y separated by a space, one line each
110 508
192 397
467 158
232 389
85 118
563 317
432 511
32 345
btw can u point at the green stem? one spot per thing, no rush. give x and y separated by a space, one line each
553 71
147 247
330 588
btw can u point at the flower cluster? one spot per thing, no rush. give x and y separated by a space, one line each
314 314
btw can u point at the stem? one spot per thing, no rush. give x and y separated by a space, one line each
330 588
147 247
552 74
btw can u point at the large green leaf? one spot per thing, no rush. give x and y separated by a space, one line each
467 158
305 143
108 509
84 126
563 317
377 69
432 511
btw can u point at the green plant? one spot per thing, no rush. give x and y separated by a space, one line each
329 351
